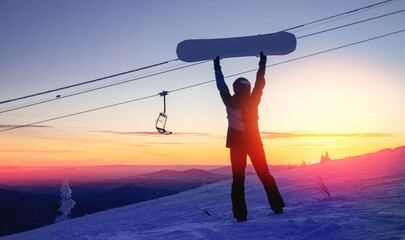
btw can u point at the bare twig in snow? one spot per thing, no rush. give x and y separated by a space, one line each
205 210
321 185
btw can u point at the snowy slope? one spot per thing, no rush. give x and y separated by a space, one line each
367 202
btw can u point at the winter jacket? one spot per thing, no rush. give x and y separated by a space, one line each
242 112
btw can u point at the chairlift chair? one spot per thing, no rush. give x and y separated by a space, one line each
162 118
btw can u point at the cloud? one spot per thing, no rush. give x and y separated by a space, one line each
125 133
167 143
153 133
264 135
140 145
194 134
277 135
12 150
15 126
313 145
149 144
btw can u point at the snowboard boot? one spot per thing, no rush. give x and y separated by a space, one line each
238 202
274 197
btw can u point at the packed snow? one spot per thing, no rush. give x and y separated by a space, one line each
367 202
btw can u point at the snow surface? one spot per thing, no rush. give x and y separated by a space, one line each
367 202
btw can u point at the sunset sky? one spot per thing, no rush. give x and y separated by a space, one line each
347 102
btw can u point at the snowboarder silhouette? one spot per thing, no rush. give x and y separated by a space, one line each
243 138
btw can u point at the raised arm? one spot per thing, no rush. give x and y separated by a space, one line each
221 85
260 81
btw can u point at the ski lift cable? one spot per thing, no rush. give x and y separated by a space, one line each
337 18
338 15
27 104
165 62
79 113
87 82
176 68
101 87
49 99
354 23
202 83
61 96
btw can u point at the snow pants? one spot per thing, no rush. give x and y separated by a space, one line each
258 159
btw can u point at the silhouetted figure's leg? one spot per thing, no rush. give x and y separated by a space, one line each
258 158
238 160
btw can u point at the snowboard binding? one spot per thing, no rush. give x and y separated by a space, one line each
162 118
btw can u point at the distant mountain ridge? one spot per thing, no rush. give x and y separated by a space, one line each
192 173
24 208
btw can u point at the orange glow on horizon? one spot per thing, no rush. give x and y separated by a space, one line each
116 149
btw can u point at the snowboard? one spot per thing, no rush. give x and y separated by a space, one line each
194 50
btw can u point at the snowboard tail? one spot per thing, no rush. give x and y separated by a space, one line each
193 50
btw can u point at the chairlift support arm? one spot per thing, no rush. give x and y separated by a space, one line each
163 94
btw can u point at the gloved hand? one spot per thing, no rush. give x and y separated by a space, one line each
216 64
263 60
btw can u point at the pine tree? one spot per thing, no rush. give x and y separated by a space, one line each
325 158
66 204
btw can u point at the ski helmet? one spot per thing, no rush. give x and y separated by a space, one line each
241 84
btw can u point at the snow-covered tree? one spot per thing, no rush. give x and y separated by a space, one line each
66 204
325 158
